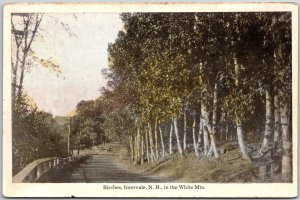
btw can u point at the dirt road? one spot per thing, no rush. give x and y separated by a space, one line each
103 167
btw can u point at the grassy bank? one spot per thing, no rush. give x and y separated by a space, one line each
228 169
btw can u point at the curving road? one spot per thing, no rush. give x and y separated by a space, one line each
103 167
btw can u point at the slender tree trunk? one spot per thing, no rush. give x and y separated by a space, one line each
142 149
177 137
25 51
131 145
276 121
162 142
226 129
275 166
147 145
15 66
286 145
184 129
69 136
170 140
239 130
238 121
27 45
79 143
205 124
135 149
194 135
20 86
268 123
200 132
213 133
156 140
138 147
15 74
151 143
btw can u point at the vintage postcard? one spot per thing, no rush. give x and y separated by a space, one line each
150 100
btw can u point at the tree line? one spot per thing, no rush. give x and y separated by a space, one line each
201 79
35 134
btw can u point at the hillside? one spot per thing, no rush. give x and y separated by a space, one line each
230 168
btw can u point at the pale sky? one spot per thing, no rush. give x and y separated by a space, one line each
81 59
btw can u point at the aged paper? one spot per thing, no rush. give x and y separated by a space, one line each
58 143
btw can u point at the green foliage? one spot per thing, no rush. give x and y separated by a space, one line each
36 134
87 123
171 60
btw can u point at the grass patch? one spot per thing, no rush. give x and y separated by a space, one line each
231 168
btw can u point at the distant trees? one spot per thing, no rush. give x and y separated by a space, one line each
36 134
208 68
86 125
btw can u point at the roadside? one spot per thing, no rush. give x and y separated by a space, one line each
231 168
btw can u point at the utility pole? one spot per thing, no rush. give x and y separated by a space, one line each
79 142
69 135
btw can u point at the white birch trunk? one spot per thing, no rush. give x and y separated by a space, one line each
200 132
239 126
170 139
135 150
194 135
156 140
138 147
239 131
214 127
268 123
151 143
162 142
184 129
205 124
276 121
142 149
147 145
131 142
177 137
287 146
